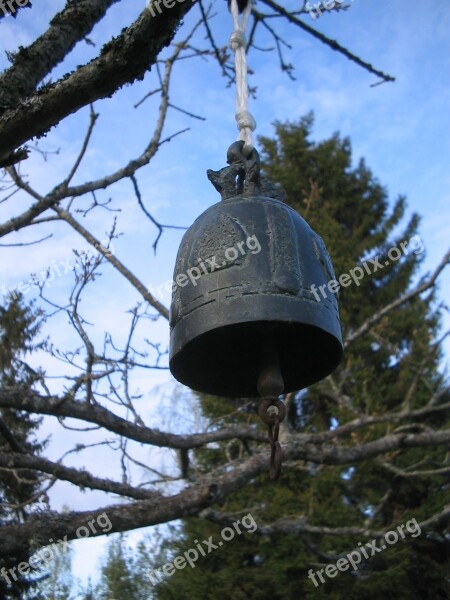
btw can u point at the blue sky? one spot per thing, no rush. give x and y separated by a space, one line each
401 129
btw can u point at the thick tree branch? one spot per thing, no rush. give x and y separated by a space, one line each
300 526
416 473
367 421
9 437
62 190
33 63
82 479
309 447
123 60
191 501
24 219
333 454
22 399
37 530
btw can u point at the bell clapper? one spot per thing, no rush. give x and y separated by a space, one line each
271 409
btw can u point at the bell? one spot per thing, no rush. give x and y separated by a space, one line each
244 301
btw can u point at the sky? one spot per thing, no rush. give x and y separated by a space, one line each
401 129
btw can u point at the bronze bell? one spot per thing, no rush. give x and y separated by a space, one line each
242 297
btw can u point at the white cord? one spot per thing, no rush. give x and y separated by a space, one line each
244 119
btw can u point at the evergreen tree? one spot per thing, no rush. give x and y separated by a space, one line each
149 557
135 571
393 367
117 581
59 584
19 325
89 593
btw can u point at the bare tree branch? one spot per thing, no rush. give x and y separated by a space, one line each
32 64
123 60
80 478
325 40
129 276
65 407
37 530
423 287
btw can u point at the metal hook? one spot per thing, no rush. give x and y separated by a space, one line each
273 418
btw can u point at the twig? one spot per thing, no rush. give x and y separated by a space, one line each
326 40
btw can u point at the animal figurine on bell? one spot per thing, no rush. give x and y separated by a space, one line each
244 318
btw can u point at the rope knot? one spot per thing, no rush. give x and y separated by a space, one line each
237 40
245 119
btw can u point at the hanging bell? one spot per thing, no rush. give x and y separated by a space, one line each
243 302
